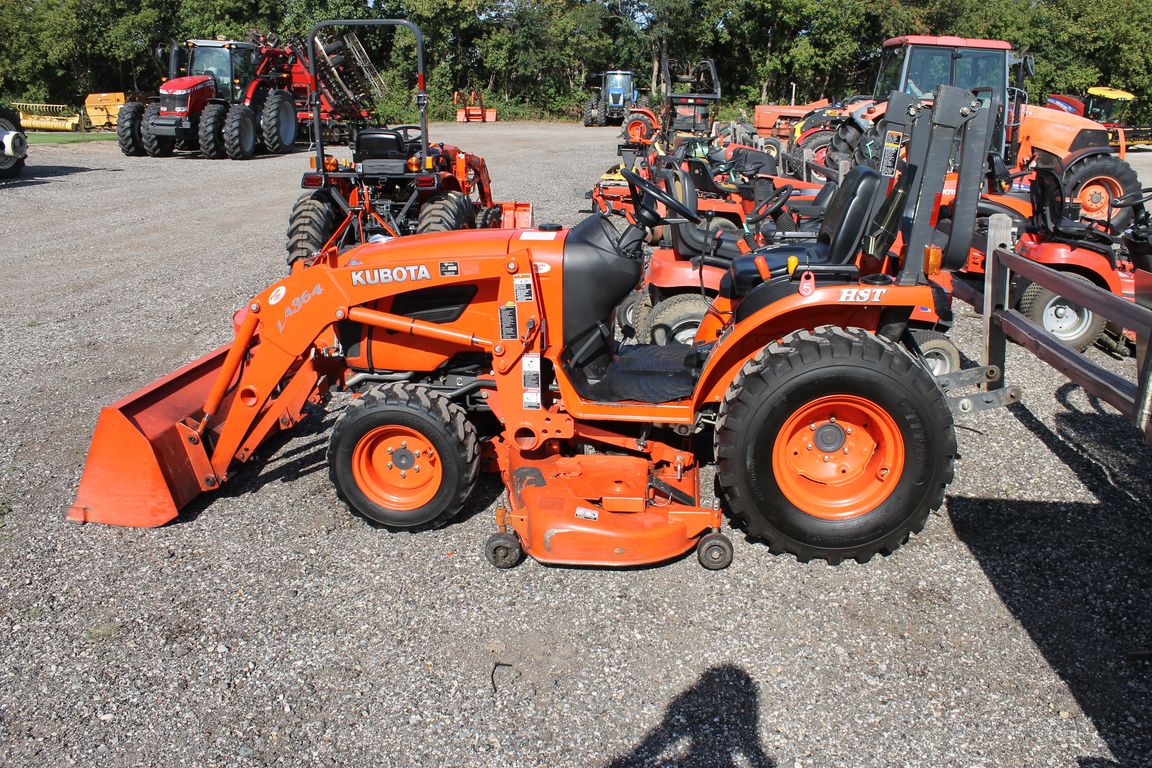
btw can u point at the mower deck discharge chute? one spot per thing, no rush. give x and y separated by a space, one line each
832 438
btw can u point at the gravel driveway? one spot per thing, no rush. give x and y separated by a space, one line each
272 627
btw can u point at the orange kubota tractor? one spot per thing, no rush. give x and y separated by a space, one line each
832 439
1028 136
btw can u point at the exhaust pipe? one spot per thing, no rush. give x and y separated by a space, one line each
13 144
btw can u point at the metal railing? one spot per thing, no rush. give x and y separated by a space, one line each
1003 322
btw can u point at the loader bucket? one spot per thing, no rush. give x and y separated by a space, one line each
140 471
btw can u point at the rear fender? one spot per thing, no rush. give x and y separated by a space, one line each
1068 258
667 272
844 305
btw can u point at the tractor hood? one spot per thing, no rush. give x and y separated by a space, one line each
179 86
472 243
1059 132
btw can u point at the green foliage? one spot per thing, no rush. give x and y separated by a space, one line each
538 58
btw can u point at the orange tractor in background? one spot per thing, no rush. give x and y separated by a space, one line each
1028 136
396 182
832 440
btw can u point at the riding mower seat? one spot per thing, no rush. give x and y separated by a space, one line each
1049 208
379 152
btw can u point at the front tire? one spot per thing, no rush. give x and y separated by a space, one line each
211 131
240 132
833 444
1076 326
404 456
278 122
638 128
675 320
940 354
128 124
154 145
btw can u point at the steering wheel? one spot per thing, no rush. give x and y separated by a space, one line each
1133 198
771 206
641 187
405 130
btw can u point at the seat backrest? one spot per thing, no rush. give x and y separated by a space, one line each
702 177
1048 199
377 144
847 215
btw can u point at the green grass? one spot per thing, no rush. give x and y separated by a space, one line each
62 137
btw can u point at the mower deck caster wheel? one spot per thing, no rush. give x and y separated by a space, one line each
714 551
503 550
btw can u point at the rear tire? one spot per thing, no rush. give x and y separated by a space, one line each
817 142
240 132
211 131
589 112
638 128
155 146
1094 180
445 213
868 397
675 320
1076 326
490 218
404 456
278 122
128 124
632 313
310 225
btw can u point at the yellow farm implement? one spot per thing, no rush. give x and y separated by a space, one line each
48 117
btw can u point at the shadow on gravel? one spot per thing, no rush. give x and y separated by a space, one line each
713 724
34 175
1077 576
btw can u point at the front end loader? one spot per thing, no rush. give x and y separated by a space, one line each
831 437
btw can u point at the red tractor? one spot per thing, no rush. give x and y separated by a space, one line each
396 182
228 98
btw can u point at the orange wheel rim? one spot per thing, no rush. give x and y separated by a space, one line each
1096 196
637 130
397 467
838 457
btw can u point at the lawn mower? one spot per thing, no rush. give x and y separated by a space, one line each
831 438
396 182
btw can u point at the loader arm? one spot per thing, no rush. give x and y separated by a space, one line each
157 449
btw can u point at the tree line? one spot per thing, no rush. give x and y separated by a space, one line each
536 58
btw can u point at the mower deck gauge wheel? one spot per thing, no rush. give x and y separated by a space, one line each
503 550
714 551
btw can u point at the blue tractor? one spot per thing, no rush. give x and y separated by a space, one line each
618 94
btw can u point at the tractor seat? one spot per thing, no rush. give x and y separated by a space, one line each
646 373
378 144
1049 208
845 223
753 162
704 181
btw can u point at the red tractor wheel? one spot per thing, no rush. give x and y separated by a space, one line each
638 128
834 444
211 131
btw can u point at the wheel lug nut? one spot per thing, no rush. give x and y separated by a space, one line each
831 419
848 430
845 449
389 465
389 450
812 426
809 446
416 468
403 443
403 474
827 457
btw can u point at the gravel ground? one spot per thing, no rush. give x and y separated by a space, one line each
271 627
